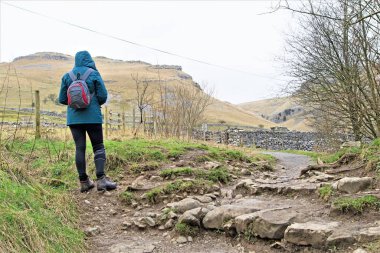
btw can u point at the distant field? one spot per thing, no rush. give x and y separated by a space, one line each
43 71
273 106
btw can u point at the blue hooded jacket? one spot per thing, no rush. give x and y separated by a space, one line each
92 114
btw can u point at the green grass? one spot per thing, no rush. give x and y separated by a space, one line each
37 218
186 230
127 197
175 187
37 213
203 158
357 205
215 175
167 173
325 192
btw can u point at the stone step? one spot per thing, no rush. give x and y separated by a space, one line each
253 187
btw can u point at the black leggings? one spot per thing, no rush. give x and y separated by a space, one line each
96 136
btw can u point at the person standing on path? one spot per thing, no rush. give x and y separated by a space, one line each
84 79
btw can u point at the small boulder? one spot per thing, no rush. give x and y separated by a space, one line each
266 223
169 224
184 205
181 239
91 231
354 184
310 233
139 223
194 216
211 165
149 221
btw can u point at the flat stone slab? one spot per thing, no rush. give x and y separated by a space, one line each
270 223
310 233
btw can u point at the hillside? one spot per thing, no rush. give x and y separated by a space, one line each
44 70
283 111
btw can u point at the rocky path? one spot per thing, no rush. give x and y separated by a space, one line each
272 211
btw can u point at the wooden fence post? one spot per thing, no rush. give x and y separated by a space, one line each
118 121
123 119
106 122
133 119
38 115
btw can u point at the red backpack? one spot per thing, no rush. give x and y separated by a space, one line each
78 94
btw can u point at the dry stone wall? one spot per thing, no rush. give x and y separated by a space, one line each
273 140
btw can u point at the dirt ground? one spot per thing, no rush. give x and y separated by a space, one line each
108 213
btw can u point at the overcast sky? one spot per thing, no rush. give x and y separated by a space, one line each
226 33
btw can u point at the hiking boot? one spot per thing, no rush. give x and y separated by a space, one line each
105 184
87 185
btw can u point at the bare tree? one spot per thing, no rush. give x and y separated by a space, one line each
334 62
180 107
144 97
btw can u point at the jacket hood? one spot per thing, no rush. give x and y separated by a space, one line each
84 59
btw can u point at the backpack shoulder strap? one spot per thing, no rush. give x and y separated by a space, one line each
72 76
86 74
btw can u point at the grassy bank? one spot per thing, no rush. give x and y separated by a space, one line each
37 213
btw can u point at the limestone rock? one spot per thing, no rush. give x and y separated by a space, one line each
221 214
184 205
139 223
342 238
266 223
203 199
149 221
91 231
354 184
211 165
194 216
169 224
181 239
310 233
369 234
